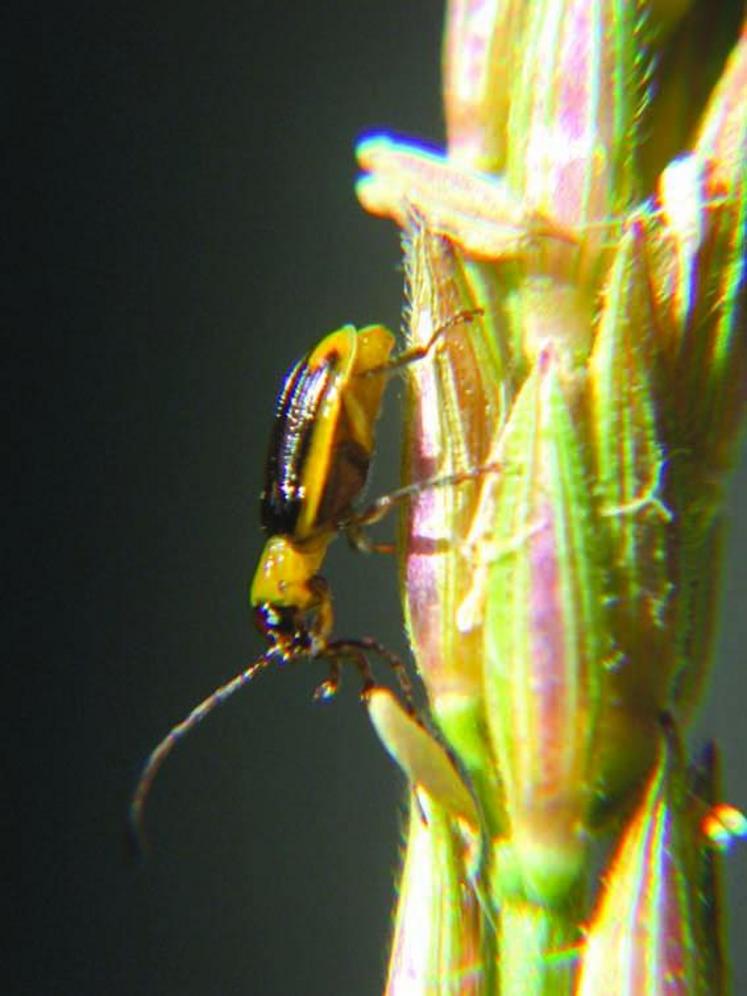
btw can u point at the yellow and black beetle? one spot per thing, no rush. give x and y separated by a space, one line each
320 450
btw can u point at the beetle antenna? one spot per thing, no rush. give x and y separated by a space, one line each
159 754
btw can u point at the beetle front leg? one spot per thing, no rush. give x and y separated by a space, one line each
320 604
330 686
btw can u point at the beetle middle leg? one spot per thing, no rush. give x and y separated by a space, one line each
355 527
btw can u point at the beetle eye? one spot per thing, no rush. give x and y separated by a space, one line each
273 620
266 618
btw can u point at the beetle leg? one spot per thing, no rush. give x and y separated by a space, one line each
358 651
328 688
321 603
379 508
420 352
353 651
359 539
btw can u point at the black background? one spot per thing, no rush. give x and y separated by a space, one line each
180 227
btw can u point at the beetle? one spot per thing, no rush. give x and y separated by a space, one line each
320 449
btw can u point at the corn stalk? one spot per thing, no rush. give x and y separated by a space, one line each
587 219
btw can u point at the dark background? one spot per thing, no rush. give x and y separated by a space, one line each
180 226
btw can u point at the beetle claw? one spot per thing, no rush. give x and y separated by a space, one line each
326 691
